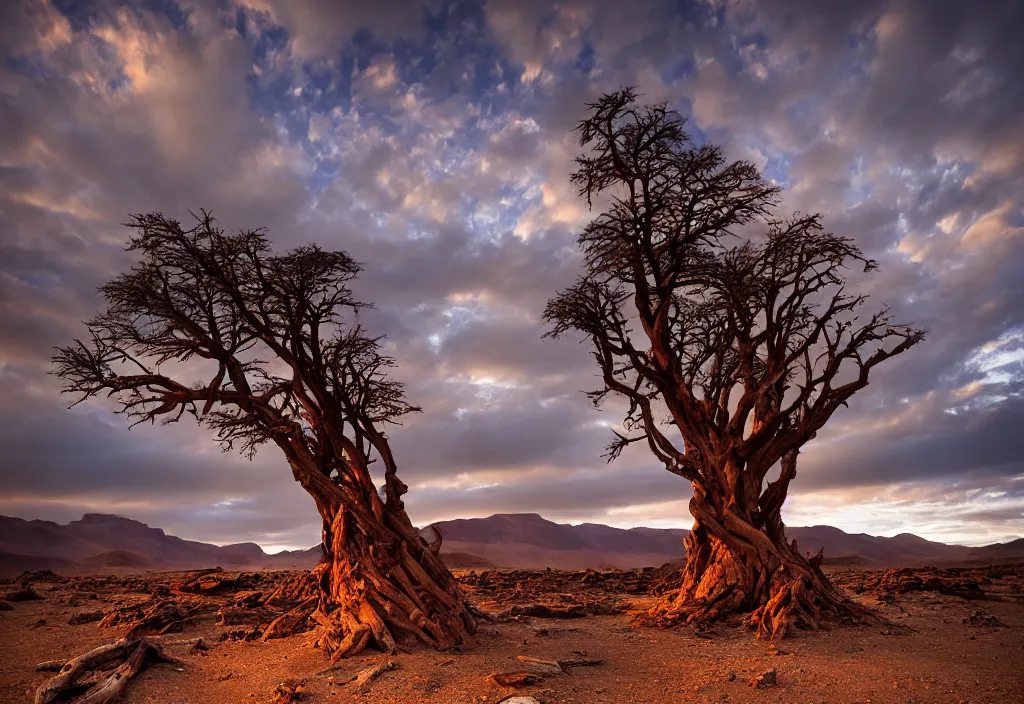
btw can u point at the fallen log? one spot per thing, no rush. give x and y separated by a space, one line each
128 656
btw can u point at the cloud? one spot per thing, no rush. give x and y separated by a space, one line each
434 143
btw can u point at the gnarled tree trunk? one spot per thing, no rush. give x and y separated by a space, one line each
739 562
379 582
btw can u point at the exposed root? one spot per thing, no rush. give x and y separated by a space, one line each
748 573
293 621
802 604
301 587
92 671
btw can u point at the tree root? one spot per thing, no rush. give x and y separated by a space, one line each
792 603
801 604
91 672
293 621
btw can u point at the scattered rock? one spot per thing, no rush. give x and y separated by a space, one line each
544 611
765 679
540 665
287 692
198 646
886 584
516 699
41 576
514 679
26 593
85 617
247 634
982 618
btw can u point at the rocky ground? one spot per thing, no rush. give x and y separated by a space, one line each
957 636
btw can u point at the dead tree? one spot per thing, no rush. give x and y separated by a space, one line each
731 355
263 347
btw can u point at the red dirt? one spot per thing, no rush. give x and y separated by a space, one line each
949 653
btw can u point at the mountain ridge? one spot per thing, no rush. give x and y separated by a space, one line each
106 542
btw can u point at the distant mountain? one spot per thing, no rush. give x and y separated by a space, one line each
527 540
107 543
903 549
998 552
104 543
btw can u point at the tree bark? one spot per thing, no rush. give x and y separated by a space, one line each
738 564
379 582
379 585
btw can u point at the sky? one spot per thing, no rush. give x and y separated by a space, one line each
433 142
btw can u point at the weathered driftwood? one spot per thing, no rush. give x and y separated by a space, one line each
127 655
364 677
156 616
51 666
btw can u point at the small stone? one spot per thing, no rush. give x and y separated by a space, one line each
514 679
520 700
765 679
541 666
731 676
85 617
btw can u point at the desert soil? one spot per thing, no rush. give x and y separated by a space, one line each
936 655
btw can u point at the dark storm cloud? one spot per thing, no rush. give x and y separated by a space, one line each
434 143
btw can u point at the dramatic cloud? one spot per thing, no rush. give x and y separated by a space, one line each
432 140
